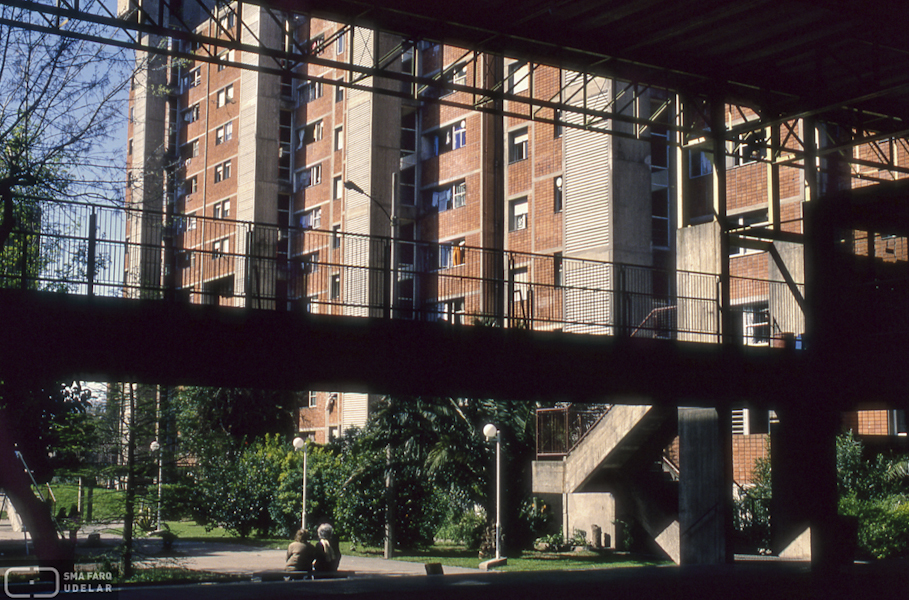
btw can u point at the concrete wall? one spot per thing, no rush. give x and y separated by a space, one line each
588 509
698 250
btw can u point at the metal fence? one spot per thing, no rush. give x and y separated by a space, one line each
561 429
110 251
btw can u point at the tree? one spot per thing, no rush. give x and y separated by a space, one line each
59 101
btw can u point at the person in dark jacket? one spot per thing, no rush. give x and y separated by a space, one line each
328 554
300 553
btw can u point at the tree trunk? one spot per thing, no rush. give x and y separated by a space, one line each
36 515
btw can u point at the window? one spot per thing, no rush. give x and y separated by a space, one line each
337 186
451 254
228 19
749 147
129 149
517 145
336 236
220 247
194 148
557 129
191 185
194 78
334 291
221 210
444 139
222 171
309 91
452 311
310 133
317 44
311 219
756 324
456 75
339 93
191 114
309 177
459 135
224 133
225 96
557 194
517 214
460 195
518 77
312 399
310 262
339 138
448 197
225 57
341 43
699 163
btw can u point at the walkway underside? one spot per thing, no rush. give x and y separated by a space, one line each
66 336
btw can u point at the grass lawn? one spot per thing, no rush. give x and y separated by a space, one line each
531 560
446 554
107 505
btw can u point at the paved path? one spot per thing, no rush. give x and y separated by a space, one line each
218 557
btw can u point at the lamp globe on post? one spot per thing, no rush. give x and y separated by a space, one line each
300 444
492 434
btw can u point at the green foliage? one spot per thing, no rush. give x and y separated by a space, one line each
464 528
237 492
751 515
883 525
866 479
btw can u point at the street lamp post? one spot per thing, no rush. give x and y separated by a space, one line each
156 447
492 434
393 224
300 444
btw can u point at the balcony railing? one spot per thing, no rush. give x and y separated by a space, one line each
100 250
561 429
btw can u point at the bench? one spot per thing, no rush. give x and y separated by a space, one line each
276 575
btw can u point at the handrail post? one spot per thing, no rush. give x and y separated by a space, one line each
92 244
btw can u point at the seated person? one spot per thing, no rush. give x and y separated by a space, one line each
300 553
327 552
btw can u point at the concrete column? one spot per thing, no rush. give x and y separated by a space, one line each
704 487
804 509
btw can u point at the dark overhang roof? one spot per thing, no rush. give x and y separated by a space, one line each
838 59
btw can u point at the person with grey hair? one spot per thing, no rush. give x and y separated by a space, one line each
327 552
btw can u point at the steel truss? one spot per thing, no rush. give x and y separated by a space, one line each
160 30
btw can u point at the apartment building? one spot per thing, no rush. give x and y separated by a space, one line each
331 166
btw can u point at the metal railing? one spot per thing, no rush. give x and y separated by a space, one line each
109 251
561 429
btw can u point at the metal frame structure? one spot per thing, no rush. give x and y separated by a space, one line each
143 30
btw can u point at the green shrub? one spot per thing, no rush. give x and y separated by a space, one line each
465 528
883 525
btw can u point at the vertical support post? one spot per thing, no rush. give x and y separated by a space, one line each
809 139
303 512
773 179
389 272
704 489
682 209
92 244
718 131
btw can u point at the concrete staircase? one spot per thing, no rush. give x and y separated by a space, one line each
617 457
